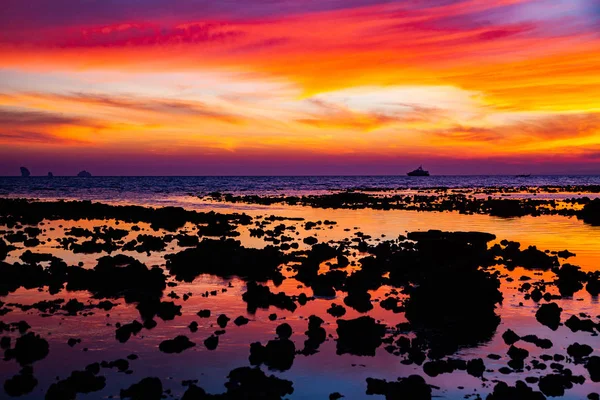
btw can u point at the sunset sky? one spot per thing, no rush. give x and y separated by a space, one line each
198 87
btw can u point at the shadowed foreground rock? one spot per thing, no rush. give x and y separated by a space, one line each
146 389
360 336
413 387
246 383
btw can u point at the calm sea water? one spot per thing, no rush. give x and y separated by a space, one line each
133 189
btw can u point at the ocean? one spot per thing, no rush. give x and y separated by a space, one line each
161 189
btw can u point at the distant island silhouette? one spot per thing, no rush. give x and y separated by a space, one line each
25 172
84 174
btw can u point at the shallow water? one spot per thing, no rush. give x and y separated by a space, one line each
313 376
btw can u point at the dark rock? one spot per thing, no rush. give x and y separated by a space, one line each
22 383
146 389
593 367
77 382
241 320
510 337
177 345
84 174
25 172
226 258
518 392
28 349
549 315
284 331
579 351
252 383
211 342
124 332
576 324
476 367
412 387
360 336
277 354
259 296
222 320
336 310
518 354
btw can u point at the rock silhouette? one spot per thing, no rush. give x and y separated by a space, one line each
25 172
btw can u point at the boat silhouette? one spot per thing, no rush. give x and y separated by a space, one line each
418 172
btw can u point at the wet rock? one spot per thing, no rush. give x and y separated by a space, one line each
335 396
360 301
412 387
476 367
168 310
554 385
204 313
177 345
222 320
284 331
278 354
391 304
539 342
22 383
250 383
259 296
125 331
578 351
570 279
336 310
592 287
510 337
226 258
193 326
241 320
77 382
28 349
146 389
518 354
211 342
438 367
593 367
360 336
310 240
549 315
121 364
520 391
576 324
73 306
316 335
